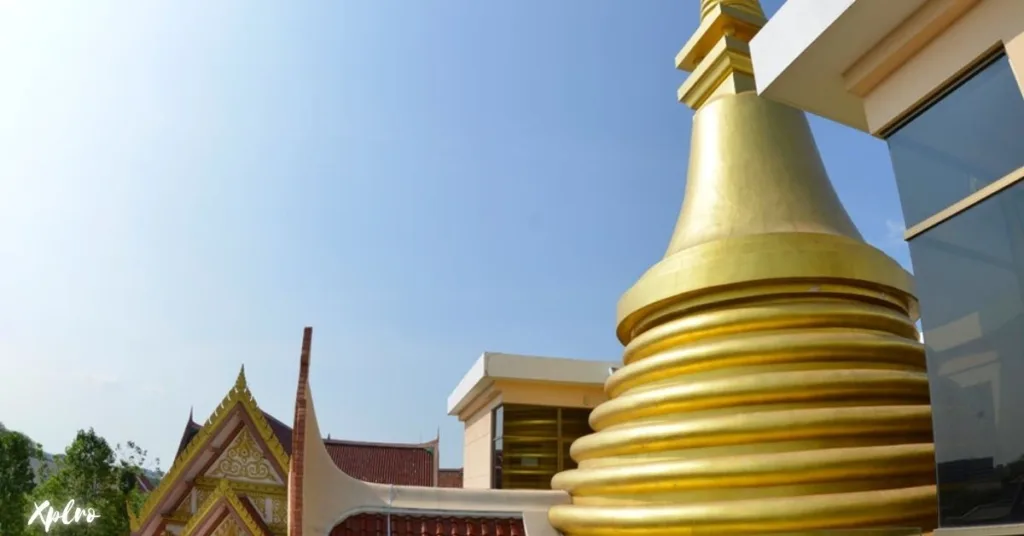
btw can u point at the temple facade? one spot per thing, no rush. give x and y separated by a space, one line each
229 475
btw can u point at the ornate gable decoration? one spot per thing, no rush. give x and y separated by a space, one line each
238 396
225 494
228 527
244 460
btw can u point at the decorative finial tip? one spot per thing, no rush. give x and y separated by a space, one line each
240 381
750 6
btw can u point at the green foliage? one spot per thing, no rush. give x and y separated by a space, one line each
17 480
95 476
132 466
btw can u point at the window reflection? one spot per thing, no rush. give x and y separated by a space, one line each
532 444
967 140
969 273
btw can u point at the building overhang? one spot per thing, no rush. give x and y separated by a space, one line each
491 367
824 56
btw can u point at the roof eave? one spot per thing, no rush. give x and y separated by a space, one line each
803 52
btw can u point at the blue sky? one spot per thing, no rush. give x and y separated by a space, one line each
185 185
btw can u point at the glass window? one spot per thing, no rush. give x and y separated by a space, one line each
532 444
970 277
530 457
968 139
574 425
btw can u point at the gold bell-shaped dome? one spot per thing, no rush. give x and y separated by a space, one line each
772 379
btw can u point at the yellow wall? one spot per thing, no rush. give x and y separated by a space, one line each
476 450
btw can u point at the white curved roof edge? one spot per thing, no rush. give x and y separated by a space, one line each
499 366
329 495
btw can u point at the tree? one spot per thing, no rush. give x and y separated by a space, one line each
133 465
96 476
17 480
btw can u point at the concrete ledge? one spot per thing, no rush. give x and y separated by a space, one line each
493 366
801 55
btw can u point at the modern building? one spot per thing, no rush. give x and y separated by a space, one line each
521 414
941 82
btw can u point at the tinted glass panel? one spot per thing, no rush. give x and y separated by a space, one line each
971 137
532 444
574 426
969 274
530 439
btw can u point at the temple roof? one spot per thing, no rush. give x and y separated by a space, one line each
407 464
224 502
145 484
385 463
449 478
324 499
191 429
369 524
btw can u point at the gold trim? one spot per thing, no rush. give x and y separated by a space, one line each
274 490
239 395
133 520
178 517
720 19
224 491
244 459
730 56
975 198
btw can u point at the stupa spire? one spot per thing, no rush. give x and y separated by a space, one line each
772 379
718 53
752 7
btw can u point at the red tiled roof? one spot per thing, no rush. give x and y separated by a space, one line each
281 430
373 524
384 463
191 429
449 478
145 484
402 464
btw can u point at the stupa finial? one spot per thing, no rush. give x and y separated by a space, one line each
752 7
718 52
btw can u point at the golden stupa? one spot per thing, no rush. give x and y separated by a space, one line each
772 378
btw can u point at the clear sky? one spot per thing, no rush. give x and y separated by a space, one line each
185 185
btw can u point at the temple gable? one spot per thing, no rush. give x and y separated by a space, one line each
244 460
228 527
223 505
236 447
